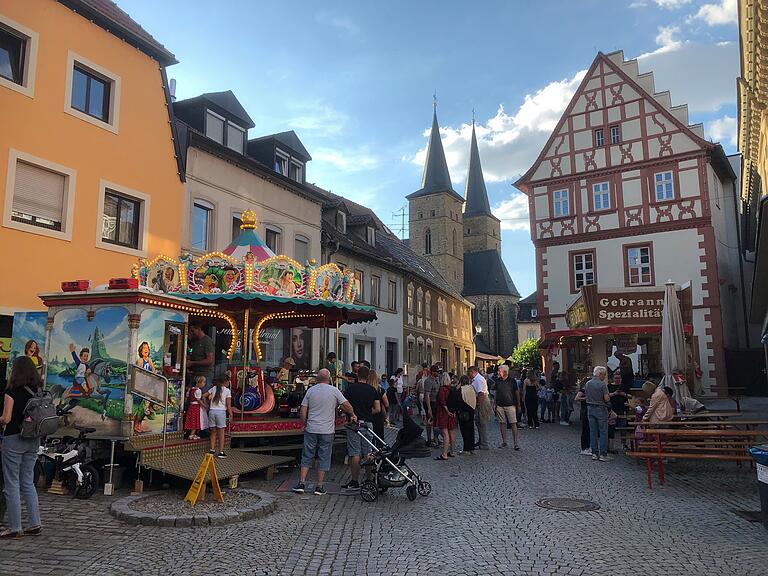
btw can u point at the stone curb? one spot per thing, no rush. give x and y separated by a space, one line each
266 504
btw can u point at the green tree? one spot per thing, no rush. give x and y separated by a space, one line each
527 354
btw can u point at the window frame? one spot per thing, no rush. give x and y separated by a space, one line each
68 208
142 228
392 296
674 180
74 59
569 197
237 215
29 57
304 239
625 248
359 278
210 207
279 237
591 195
284 160
300 170
617 127
243 131
343 228
370 235
91 79
599 137
375 291
572 267
410 347
428 241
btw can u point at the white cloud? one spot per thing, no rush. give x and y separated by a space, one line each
513 212
316 117
719 14
668 39
671 4
722 130
346 160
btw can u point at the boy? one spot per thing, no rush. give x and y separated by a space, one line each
80 381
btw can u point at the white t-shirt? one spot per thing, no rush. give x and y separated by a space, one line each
321 401
399 384
222 403
479 384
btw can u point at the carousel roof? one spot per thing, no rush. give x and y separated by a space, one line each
248 241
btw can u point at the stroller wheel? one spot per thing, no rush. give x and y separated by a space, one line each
369 492
425 488
411 492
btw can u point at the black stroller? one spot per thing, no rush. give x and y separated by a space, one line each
386 465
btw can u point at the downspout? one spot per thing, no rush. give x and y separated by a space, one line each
741 263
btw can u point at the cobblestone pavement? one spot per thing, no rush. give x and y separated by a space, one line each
480 519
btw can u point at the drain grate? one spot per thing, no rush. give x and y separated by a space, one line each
568 504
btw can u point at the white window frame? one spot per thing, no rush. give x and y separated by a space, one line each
70 183
211 232
277 230
641 266
601 191
615 129
392 295
305 239
534 312
114 92
144 211
599 138
298 166
285 160
559 198
370 235
584 270
343 227
32 41
223 126
239 215
663 182
242 131
375 299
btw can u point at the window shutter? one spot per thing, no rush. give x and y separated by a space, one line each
39 192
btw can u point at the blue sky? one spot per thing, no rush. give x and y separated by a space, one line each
356 79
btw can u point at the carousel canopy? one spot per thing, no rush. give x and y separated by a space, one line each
248 241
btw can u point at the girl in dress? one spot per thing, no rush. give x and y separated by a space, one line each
196 417
141 407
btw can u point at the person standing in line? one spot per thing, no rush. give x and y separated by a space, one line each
200 358
581 398
429 387
379 417
318 412
619 406
219 400
598 399
531 385
565 400
365 402
20 454
466 415
445 418
395 409
520 376
483 409
507 402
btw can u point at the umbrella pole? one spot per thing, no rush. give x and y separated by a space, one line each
338 358
246 354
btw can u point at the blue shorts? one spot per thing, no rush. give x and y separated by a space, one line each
320 446
217 419
356 446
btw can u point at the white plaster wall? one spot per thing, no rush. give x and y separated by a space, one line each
631 129
633 192
582 140
541 206
689 183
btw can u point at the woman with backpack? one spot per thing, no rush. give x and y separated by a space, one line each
445 418
20 454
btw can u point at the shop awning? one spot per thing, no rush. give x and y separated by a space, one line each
488 357
555 335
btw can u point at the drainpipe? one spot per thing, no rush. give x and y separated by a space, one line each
741 264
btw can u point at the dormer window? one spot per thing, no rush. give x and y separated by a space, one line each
341 222
224 132
297 171
281 163
370 235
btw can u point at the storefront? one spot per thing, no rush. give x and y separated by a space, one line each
603 322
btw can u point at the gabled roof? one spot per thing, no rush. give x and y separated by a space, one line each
530 299
436 178
485 273
107 15
228 102
610 61
475 193
288 139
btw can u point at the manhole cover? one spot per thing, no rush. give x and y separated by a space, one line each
568 504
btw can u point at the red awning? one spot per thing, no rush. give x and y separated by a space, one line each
604 330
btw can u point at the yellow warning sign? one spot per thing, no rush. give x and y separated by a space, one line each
208 465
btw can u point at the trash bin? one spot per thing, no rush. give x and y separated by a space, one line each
760 455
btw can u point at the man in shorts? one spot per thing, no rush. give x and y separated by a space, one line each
318 412
429 388
507 403
365 402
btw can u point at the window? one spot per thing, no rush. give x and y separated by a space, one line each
428 305
534 312
90 93
639 270
419 303
419 352
341 221
601 196
469 231
428 359
40 197
214 126
281 164
224 132
301 249
392 295
272 238
583 266
615 135
375 291
560 206
370 235
235 137
410 299
202 222
599 137
453 243
665 188
341 353
236 223
410 351
13 51
444 358
120 224
421 215
531 334
360 284
428 241
296 172
432 213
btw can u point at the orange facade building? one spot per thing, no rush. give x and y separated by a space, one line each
88 172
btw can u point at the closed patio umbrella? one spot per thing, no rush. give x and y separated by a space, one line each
673 355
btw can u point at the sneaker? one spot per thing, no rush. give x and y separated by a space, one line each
503 445
594 457
517 447
211 451
221 455
564 423
351 485
604 458
299 488
586 452
320 490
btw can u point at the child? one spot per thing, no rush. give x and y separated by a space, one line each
196 414
81 368
220 406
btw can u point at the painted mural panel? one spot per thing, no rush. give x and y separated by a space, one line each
28 328
87 366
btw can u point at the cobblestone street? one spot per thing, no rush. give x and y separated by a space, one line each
480 519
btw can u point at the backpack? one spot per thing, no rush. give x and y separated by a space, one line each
40 417
454 401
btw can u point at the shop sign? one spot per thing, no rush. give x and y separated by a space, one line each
626 343
624 308
576 316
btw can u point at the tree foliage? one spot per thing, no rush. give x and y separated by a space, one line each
527 354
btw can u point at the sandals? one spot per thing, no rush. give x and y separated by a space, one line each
10 534
441 457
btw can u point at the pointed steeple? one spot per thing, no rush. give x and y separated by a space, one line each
475 194
436 176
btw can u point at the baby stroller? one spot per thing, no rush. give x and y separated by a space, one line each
386 465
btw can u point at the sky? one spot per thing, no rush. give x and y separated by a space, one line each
356 81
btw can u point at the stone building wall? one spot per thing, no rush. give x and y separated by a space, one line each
481 233
484 307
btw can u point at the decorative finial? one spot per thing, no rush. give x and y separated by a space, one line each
473 117
434 100
248 220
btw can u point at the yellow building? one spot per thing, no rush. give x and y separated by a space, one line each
88 172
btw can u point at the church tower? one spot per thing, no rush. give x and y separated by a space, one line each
487 283
435 225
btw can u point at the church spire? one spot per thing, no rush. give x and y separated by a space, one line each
475 194
436 176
